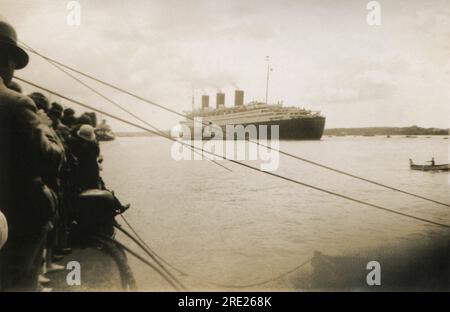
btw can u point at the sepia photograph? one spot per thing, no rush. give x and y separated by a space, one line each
238 147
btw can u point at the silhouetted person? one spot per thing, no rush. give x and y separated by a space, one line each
93 118
82 120
85 149
69 118
41 101
55 114
27 149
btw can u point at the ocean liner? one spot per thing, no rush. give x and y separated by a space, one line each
294 123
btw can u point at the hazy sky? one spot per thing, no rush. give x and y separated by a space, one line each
324 55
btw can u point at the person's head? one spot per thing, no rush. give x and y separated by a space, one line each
84 120
93 118
40 100
56 110
55 113
12 57
68 112
15 86
87 133
68 117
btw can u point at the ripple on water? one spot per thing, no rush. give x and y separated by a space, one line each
242 226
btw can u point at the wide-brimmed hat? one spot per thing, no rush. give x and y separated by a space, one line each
8 39
87 133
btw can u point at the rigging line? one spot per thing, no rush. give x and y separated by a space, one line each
361 178
255 142
346 197
103 112
150 249
151 255
123 109
267 281
281 152
238 162
280 276
161 134
142 259
103 82
143 244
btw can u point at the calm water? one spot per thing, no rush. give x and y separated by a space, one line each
243 227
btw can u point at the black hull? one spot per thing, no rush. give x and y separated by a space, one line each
310 128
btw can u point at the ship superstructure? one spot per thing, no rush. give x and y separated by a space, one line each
294 122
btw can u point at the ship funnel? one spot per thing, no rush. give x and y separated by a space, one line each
220 100
238 98
205 101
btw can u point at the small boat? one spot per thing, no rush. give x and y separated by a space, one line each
104 135
441 167
104 132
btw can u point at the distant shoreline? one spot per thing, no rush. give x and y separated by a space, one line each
365 131
371 131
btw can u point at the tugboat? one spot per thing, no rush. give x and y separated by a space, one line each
103 132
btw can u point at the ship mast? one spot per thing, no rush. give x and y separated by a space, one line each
267 80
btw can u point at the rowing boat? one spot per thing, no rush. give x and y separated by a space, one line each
441 167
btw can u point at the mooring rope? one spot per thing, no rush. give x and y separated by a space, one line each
267 281
150 249
139 257
59 67
127 277
236 161
252 141
157 133
153 255
138 240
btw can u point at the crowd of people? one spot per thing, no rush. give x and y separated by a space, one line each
48 156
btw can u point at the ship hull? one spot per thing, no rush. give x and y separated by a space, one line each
310 128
